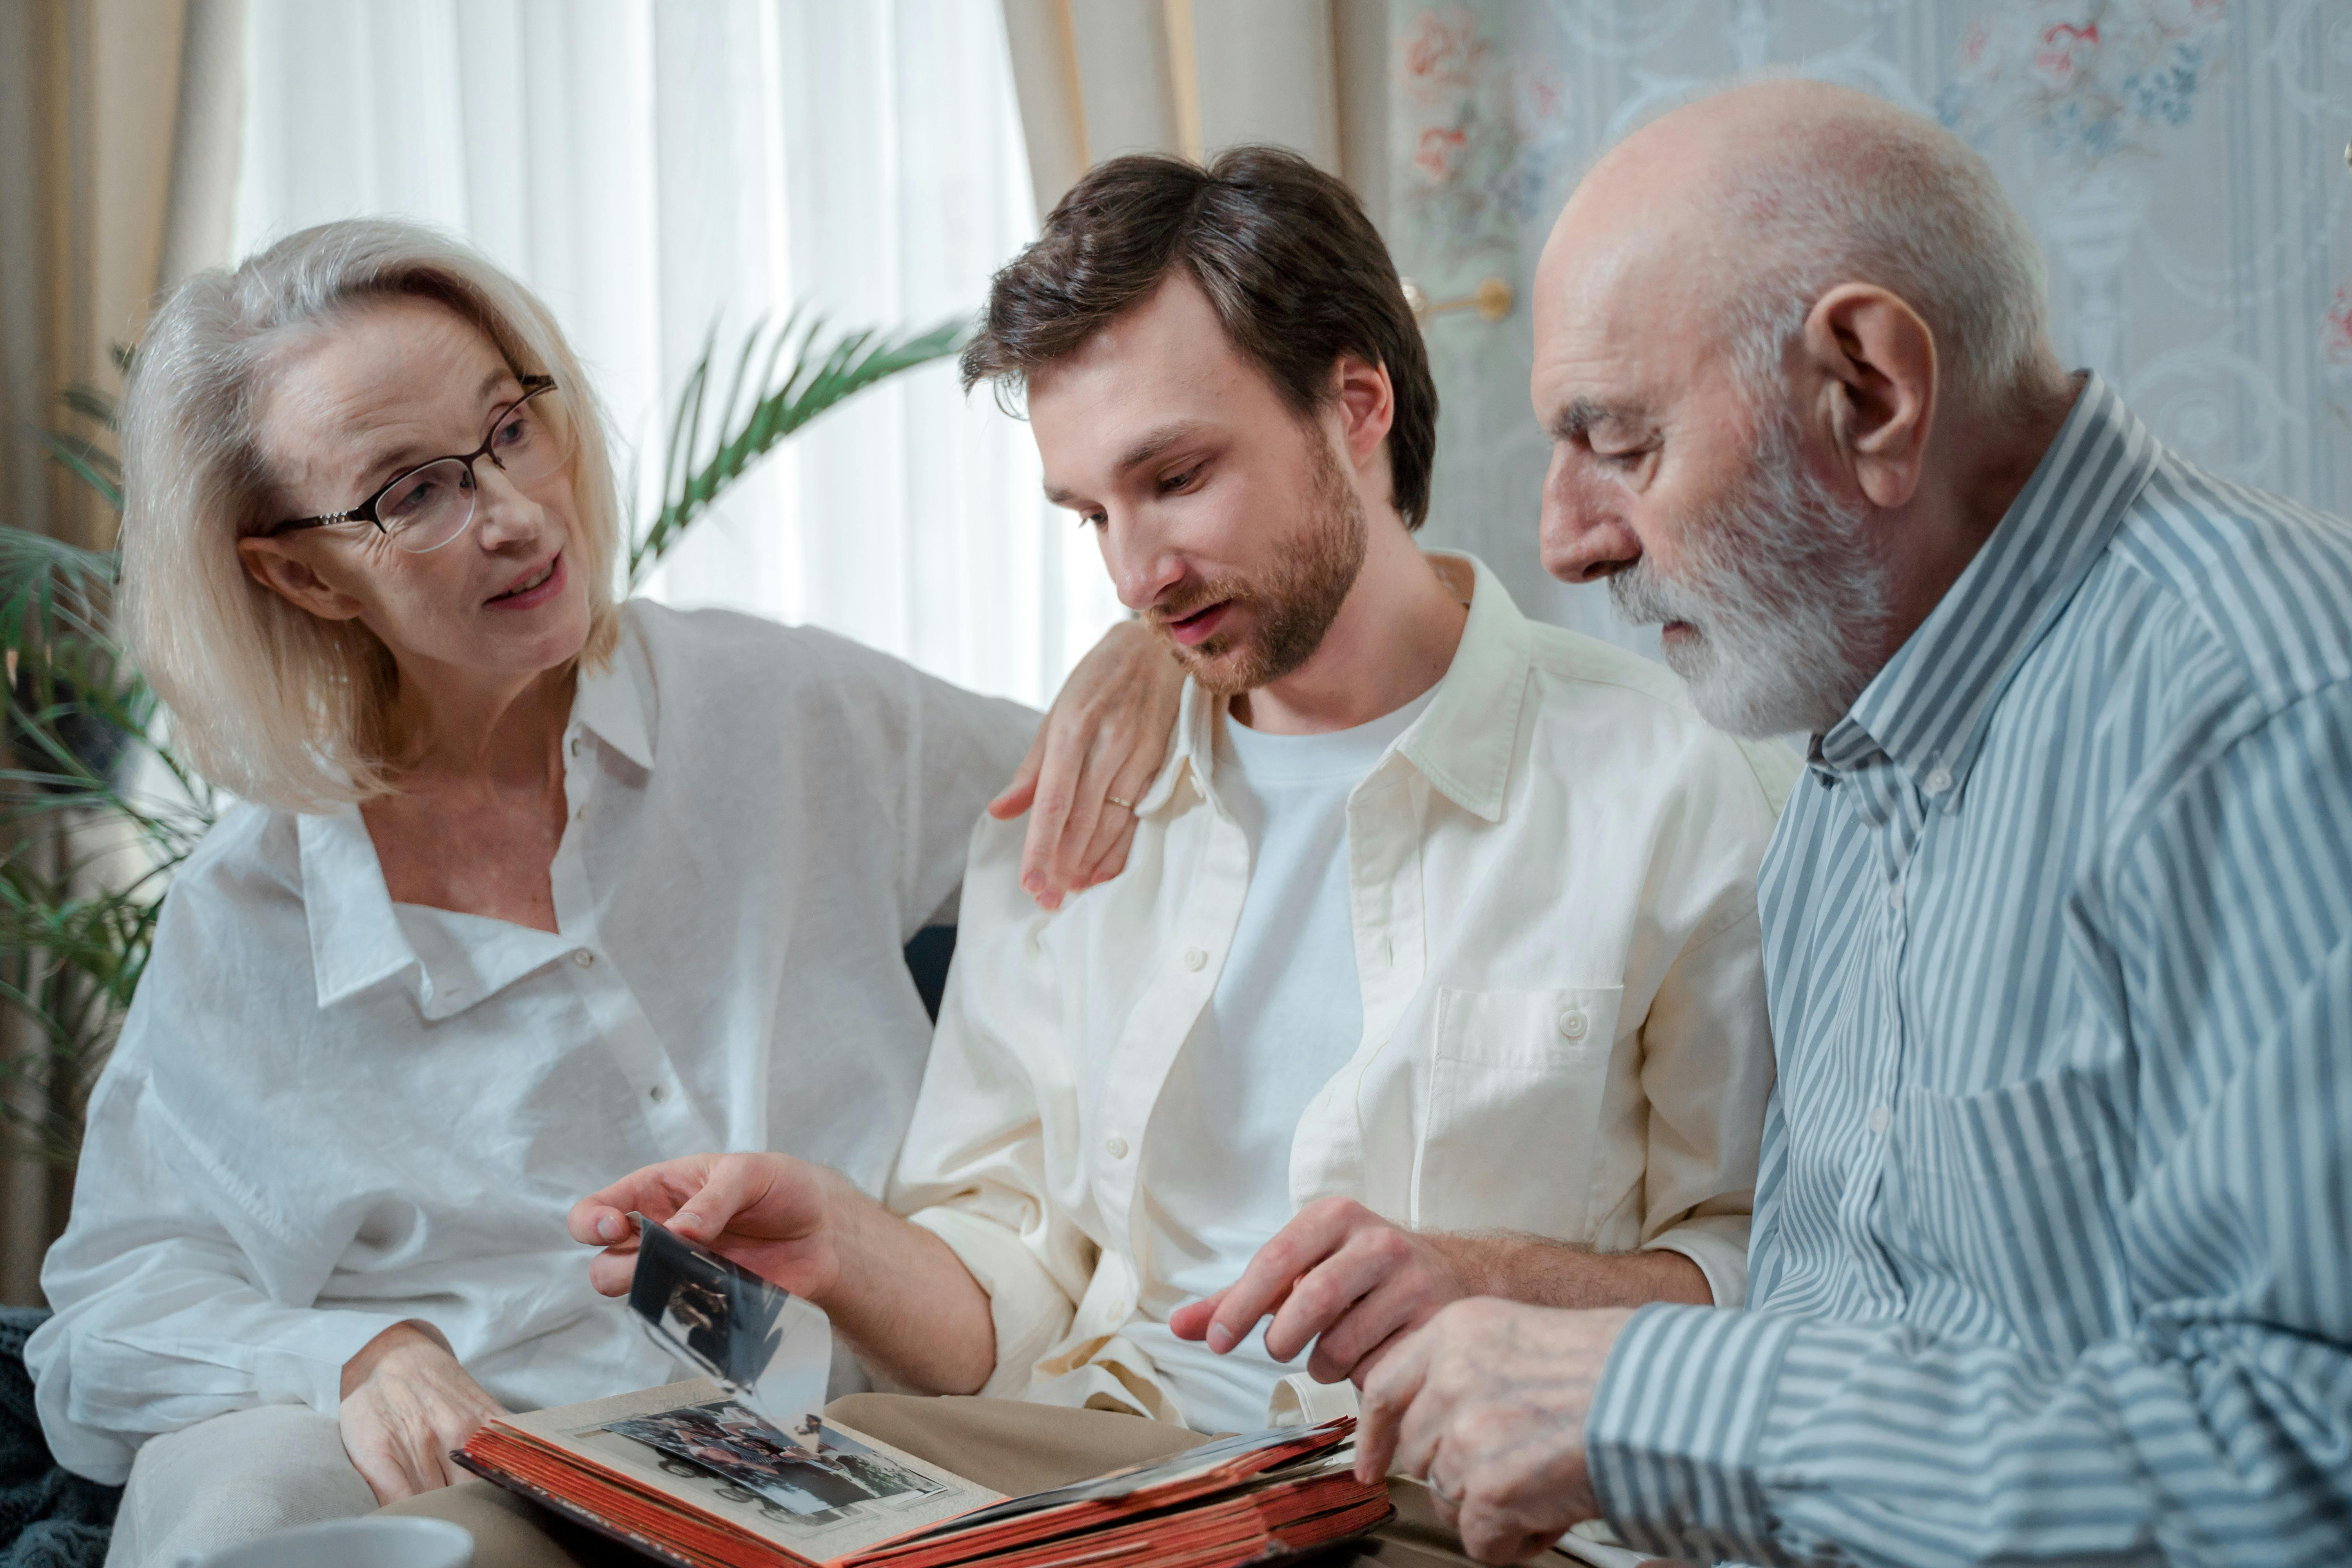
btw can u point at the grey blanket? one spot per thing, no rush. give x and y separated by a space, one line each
49 1518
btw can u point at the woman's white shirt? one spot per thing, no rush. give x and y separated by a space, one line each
328 1112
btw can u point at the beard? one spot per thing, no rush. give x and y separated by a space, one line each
1294 603
1780 594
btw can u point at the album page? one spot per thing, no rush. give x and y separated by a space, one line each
691 1442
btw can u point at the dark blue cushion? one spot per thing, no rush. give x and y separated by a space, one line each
927 961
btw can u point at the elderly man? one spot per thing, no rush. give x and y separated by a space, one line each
2051 1258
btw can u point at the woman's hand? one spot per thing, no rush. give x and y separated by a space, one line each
406 1404
1107 735
771 1213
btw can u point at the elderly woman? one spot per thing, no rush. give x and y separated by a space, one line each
531 889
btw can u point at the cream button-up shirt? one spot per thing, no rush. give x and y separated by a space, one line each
1552 878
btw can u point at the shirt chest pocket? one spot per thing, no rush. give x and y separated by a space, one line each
1515 1084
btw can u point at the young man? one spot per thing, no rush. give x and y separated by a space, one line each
1434 969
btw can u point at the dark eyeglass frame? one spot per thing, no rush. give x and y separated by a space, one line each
532 385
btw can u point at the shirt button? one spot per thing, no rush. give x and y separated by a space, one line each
1939 781
1571 1025
658 1093
1114 1146
1878 1119
575 745
1195 957
1894 895
582 957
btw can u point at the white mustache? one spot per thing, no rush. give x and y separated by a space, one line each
1642 596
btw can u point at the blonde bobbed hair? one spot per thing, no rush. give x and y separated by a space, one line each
268 701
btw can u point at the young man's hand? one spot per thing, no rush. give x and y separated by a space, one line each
898 1295
1339 1277
406 1405
1106 738
1362 1283
770 1212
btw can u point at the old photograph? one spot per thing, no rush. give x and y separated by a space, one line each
735 1444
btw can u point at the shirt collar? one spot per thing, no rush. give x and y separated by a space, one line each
1463 744
1928 708
615 703
357 939
355 936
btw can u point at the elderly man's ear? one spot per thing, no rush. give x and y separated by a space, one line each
1872 363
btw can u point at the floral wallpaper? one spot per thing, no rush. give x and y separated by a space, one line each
2183 163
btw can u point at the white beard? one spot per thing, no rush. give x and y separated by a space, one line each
1782 597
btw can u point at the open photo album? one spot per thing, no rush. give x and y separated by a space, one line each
721 1472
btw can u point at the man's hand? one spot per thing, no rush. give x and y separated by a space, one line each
406 1404
898 1295
1487 1404
1337 1276
1107 735
770 1212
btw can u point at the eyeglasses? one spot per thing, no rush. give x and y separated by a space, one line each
430 505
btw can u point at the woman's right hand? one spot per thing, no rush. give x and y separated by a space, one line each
406 1404
772 1214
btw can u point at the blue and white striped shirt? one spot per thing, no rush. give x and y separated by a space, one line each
2052 1254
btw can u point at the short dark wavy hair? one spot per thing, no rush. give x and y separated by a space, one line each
1293 268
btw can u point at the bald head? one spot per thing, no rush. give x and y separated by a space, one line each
1740 210
1788 346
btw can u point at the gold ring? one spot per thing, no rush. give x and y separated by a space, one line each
1116 801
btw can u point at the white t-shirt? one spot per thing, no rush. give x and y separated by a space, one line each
1286 1015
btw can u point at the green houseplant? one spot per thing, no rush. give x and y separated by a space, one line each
96 808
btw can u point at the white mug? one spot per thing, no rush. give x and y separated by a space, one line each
374 1543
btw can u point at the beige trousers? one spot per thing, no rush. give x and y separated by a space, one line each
1001 1444
231 1478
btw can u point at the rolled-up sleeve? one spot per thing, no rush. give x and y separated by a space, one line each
158 1321
974 1171
1706 1071
1706 1043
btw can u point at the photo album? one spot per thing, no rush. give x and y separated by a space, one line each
737 1468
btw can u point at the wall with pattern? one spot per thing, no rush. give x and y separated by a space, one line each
2183 163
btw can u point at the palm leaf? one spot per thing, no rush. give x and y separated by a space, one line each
757 413
91 403
83 863
90 462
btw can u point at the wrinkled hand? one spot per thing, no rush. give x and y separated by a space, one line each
406 1405
770 1212
1337 1276
1107 735
1487 1404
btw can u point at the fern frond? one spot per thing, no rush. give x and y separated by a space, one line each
100 407
823 374
91 464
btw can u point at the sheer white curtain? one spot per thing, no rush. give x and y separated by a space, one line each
653 166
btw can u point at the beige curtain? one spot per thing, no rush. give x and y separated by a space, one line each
118 125
1098 77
